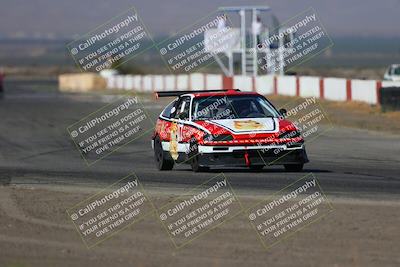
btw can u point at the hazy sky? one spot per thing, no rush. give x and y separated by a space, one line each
72 17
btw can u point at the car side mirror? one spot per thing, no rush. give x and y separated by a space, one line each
283 112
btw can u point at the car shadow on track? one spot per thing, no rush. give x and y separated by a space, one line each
266 170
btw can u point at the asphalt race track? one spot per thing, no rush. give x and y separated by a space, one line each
35 148
42 174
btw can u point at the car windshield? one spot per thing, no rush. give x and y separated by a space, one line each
232 107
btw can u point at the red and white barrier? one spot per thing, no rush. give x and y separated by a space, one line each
182 82
244 83
264 84
364 91
336 89
170 83
128 82
308 86
147 83
111 82
214 81
158 82
137 82
119 81
286 85
197 81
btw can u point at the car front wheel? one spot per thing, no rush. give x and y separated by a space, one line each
162 163
194 157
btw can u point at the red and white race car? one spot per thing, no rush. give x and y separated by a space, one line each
225 128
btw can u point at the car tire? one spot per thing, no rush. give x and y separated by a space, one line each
294 167
162 163
194 157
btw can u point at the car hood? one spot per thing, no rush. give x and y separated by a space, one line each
256 127
248 125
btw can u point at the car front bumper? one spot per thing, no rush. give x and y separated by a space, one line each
252 155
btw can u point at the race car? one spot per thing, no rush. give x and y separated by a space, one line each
225 128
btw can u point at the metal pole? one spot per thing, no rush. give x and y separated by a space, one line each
267 54
242 14
281 59
230 60
255 54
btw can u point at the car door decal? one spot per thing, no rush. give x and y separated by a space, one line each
173 145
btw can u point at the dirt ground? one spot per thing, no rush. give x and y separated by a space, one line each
33 220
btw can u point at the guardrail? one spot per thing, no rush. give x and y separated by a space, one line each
336 89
